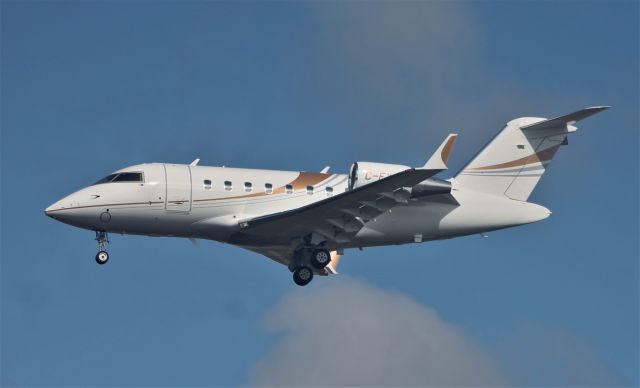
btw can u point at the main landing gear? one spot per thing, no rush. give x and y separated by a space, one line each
317 258
320 258
102 256
302 275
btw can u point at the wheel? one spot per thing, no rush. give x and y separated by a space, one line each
302 276
320 258
102 257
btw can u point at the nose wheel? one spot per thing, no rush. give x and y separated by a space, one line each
102 257
103 239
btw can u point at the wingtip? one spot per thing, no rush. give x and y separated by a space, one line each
448 147
440 158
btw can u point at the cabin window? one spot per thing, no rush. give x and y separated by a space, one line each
289 189
268 188
329 191
228 186
310 190
207 184
248 187
520 146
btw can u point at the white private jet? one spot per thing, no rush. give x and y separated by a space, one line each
305 220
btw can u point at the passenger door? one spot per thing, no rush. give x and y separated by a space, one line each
178 178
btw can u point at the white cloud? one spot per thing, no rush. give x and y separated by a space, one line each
542 355
352 333
349 333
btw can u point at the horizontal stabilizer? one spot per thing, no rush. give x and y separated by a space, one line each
440 158
565 120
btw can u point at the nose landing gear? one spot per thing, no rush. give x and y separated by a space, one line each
102 256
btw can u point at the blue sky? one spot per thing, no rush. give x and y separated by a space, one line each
90 87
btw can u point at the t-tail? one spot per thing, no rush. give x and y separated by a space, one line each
514 161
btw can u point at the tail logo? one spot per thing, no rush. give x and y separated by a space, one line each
538 157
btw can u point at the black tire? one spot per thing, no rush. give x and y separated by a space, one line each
102 257
320 258
302 276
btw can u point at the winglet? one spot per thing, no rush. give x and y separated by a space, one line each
563 121
440 158
195 162
325 170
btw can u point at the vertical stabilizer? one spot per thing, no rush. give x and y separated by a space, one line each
515 160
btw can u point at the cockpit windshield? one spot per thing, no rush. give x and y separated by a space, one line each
121 177
128 177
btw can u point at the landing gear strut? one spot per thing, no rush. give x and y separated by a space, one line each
102 256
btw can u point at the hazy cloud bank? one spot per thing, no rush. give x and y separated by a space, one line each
352 333
541 355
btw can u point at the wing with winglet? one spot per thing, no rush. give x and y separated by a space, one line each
340 217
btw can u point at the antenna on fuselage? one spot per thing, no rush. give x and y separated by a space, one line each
195 162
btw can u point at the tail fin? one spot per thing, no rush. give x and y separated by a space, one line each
514 161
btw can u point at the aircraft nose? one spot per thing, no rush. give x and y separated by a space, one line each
58 209
69 210
51 209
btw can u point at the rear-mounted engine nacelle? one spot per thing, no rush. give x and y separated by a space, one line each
363 173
